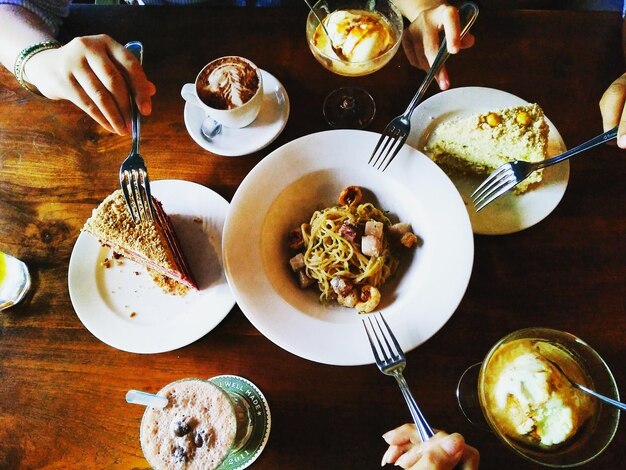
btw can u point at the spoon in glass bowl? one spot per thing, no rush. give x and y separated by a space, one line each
582 388
338 52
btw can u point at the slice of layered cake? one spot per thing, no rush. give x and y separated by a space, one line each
483 142
151 244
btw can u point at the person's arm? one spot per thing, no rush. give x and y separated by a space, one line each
421 39
442 452
93 72
613 109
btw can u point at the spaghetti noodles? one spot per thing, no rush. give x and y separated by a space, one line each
346 250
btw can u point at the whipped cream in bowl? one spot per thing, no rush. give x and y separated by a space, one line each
534 409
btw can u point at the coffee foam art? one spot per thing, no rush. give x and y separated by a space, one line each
228 83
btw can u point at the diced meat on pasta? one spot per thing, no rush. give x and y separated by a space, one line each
303 280
341 286
348 231
349 300
374 228
297 262
371 246
399 229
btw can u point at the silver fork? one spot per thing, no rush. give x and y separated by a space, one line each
390 360
133 172
511 174
395 134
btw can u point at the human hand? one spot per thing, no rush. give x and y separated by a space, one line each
613 109
442 452
421 39
98 75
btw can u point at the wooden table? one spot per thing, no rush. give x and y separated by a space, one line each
62 390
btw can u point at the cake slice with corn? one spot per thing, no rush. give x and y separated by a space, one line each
483 142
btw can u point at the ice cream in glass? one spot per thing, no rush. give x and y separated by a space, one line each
353 38
532 407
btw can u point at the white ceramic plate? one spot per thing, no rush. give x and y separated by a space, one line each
509 213
308 173
105 298
263 131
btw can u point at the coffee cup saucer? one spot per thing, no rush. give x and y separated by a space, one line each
263 131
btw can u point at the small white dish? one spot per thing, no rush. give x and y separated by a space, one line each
263 131
125 309
511 212
307 174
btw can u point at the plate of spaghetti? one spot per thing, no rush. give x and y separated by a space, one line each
349 251
315 238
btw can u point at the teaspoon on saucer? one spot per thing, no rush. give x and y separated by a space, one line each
210 128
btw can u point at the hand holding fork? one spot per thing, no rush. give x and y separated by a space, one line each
395 134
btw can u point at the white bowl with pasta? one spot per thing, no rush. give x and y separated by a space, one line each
308 174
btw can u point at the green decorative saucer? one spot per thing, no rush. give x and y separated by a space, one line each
252 402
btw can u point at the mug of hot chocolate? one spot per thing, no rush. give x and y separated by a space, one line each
229 89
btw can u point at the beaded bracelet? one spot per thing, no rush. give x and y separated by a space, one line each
25 55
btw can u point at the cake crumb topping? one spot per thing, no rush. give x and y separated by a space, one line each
150 243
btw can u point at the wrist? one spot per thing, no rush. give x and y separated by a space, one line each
411 9
25 55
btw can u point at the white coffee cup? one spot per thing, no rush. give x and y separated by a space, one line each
229 89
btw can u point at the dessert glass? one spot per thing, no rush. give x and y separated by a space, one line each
350 106
590 439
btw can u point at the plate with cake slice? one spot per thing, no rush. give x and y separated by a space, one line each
471 131
155 286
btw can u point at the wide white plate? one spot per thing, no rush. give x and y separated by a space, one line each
308 173
268 125
105 298
509 213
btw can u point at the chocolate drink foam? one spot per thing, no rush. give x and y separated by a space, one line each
196 429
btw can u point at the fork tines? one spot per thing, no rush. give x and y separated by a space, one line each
389 144
384 345
494 186
136 188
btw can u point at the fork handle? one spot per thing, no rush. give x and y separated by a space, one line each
423 427
136 48
467 15
600 139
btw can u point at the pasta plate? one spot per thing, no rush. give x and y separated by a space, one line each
309 173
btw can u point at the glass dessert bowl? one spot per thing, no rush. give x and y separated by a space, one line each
353 38
534 410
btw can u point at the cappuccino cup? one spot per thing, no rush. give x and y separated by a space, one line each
229 89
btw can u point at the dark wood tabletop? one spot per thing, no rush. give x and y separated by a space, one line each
62 390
